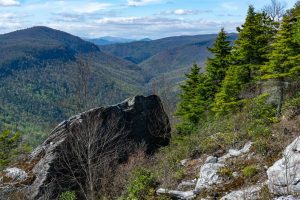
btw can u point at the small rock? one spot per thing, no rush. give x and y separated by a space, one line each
183 184
235 174
15 174
211 159
247 147
209 175
183 162
234 152
250 193
189 195
290 197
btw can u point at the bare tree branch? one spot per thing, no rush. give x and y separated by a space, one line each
275 10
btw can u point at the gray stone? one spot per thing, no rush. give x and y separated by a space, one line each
183 162
188 195
211 159
15 174
209 171
209 175
185 184
290 197
250 193
284 175
236 153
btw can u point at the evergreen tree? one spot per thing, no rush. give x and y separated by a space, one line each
217 65
252 45
199 90
249 53
284 63
189 107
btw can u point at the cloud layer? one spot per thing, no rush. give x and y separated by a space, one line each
127 18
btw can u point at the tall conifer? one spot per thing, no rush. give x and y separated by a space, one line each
284 63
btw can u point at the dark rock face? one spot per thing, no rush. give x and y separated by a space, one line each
138 120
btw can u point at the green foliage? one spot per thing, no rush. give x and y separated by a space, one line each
285 55
192 104
142 185
228 100
198 91
249 171
69 195
293 103
249 52
297 30
218 141
260 117
217 65
226 171
9 143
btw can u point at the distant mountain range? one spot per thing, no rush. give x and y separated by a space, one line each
113 40
41 82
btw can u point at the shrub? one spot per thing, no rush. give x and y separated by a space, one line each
291 107
68 195
219 140
9 143
249 171
142 185
260 117
226 171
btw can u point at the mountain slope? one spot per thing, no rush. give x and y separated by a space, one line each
140 51
42 82
47 75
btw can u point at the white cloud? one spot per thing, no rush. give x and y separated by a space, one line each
9 3
92 7
156 27
183 12
10 21
230 6
117 20
141 2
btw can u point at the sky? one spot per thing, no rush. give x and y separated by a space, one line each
134 19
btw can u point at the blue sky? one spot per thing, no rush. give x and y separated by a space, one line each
128 18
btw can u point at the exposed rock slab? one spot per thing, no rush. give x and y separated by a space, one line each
188 195
209 171
250 193
290 197
284 175
135 121
208 175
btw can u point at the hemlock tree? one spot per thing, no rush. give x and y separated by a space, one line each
248 54
284 64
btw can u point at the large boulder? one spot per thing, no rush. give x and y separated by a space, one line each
284 175
118 129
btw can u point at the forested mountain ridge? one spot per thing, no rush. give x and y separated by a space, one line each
46 75
165 61
140 51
